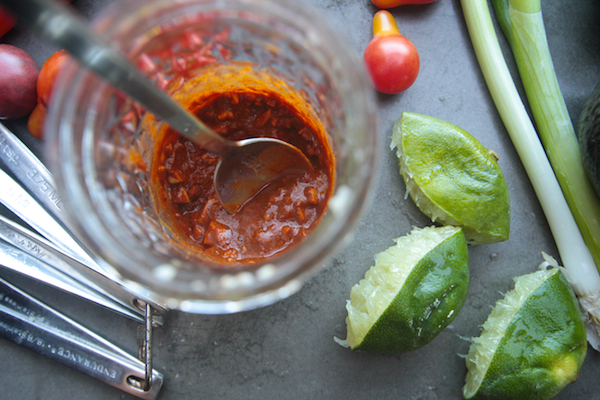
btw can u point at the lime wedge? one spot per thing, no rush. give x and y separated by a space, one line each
414 290
532 344
452 178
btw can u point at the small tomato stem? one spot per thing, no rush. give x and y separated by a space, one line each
384 24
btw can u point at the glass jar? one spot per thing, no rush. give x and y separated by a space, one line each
99 143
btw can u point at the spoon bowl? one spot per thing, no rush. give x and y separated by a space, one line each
251 165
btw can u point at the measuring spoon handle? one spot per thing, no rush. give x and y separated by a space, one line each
31 173
28 322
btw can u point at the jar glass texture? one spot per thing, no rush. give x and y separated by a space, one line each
99 147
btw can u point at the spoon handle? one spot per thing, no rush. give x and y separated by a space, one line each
29 170
26 207
25 264
33 324
61 27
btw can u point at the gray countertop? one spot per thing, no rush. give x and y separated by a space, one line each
286 350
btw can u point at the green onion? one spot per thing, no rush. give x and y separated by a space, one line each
522 23
575 255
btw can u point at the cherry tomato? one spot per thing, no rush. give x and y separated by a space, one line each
7 21
391 60
48 74
36 120
396 3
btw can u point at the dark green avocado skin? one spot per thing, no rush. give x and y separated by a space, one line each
589 137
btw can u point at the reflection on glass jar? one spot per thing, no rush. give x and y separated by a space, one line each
141 195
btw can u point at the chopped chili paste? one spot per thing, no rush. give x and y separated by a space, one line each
279 216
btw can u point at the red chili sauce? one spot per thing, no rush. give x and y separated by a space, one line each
279 216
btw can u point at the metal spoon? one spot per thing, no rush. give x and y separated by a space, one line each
32 324
244 167
35 201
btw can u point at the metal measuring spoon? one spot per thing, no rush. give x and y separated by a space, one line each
26 207
28 322
244 166
29 170
40 206
23 263
31 255
64 254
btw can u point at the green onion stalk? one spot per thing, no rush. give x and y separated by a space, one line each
522 24
565 194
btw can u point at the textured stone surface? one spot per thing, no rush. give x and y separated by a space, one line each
286 351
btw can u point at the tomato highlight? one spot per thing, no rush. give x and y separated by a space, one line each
391 60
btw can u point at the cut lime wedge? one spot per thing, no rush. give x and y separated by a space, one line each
414 290
532 344
452 178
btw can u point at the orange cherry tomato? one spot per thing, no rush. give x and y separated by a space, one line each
7 21
391 60
48 74
36 120
396 3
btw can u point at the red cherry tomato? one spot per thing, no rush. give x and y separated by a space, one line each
391 60
7 21
48 74
396 3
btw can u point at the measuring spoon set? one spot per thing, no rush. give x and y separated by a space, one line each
50 253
